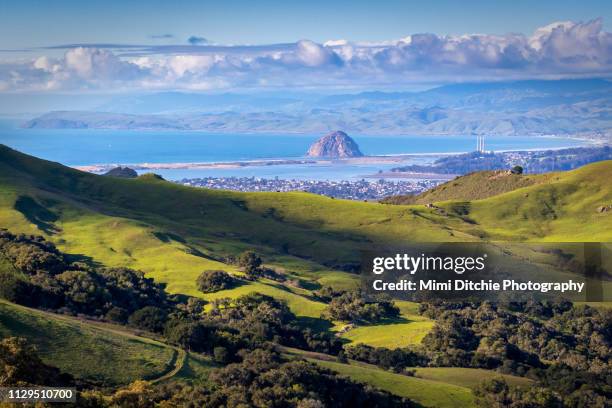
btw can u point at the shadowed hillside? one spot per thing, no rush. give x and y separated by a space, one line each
216 224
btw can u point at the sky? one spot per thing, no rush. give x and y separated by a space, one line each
202 46
28 23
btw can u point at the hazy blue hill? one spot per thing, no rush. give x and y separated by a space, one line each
564 107
102 120
519 95
455 93
549 87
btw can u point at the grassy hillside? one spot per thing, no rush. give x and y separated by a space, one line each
465 377
425 392
409 328
473 186
430 387
554 207
301 225
94 352
564 208
174 232
195 369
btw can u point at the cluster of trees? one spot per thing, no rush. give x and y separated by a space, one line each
32 254
43 277
223 343
497 393
351 306
397 359
232 326
261 379
236 332
327 293
517 337
264 318
566 349
249 262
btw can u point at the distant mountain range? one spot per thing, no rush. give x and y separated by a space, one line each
566 107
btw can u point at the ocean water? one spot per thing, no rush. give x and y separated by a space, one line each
88 147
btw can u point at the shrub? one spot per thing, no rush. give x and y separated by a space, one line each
517 170
116 314
214 281
249 260
194 336
149 318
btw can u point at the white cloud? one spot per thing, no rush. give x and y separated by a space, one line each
97 64
46 64
312 54
541 34
193 64
568 43
561 49
335 43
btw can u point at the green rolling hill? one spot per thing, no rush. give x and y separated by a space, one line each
554 207
104 354
172 233
473 186
564 208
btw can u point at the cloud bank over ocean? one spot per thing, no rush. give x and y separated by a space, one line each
558 50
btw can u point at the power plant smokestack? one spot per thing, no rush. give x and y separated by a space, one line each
480 143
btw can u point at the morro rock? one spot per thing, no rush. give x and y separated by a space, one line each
335 144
